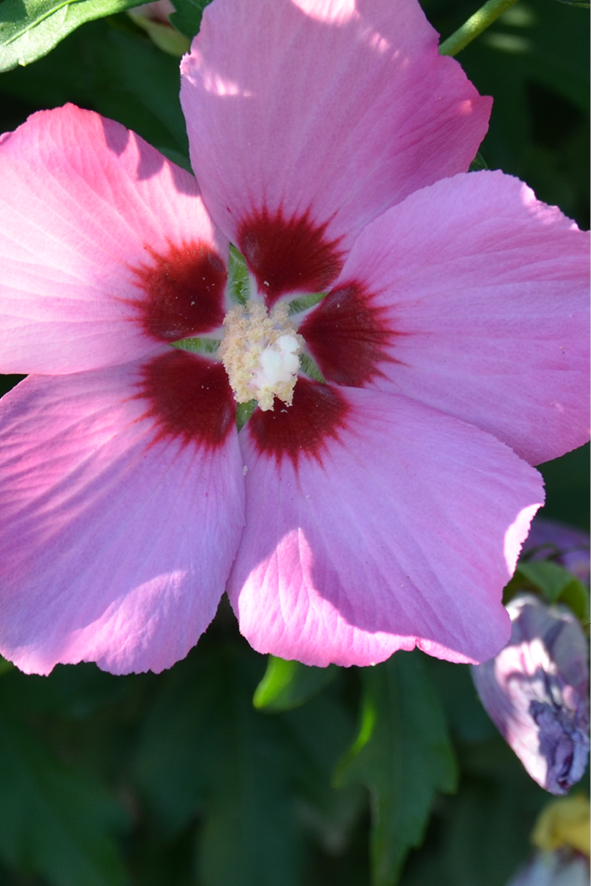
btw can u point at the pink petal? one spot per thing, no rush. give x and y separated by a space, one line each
119 523
401 530
471 297
106 250
320 115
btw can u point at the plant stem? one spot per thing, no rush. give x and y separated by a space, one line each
475 25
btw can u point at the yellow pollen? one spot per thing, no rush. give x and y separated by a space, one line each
260 353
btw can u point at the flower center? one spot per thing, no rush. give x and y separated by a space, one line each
260 353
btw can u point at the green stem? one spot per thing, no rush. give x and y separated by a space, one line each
475 25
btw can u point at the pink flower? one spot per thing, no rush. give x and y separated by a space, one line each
381 510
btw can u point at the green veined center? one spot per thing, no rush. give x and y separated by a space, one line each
261 353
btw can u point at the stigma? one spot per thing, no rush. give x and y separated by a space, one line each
260 353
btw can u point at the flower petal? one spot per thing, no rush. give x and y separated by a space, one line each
306 120
119 524
402 530
106 250
484 291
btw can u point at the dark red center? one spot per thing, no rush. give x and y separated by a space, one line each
348 336
183 291
288 255
302 429
189 397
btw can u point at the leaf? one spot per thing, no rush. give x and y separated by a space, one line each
467 719
288 684
205 750
319 733
547 576
238 280
5 666
29 29
403 754
534 60
172 763
478 163
118 73
140 74
187 18
557 584
496 808
53 820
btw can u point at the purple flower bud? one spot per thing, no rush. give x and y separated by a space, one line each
565 545
535 691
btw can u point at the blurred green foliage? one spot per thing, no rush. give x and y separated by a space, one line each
178 779
29 29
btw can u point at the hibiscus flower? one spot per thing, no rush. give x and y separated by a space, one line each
412 332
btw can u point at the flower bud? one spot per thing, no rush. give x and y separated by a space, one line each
553 869
153 18
535 691
156 11
561 836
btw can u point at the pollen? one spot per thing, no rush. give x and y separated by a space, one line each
260 353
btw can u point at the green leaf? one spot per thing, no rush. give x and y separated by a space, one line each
197 345
535 62
556 583
187 18
243 412
547 576
467 719
487 828
310 367
303 302
205 750
53 820
288 684
119 74
143 79
5 666
403 755
478 163
319 733
238 280
29 29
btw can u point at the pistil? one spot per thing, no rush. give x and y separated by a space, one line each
260 353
